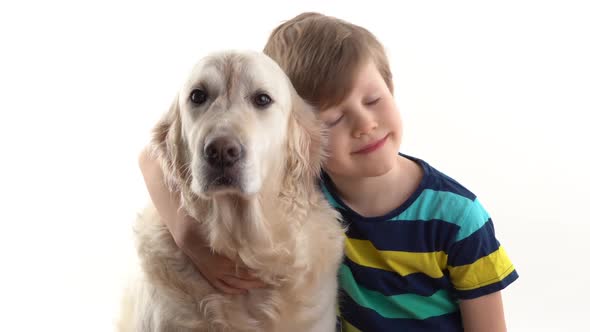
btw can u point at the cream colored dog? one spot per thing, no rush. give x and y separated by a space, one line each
244 151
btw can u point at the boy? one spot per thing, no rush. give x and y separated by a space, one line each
421 253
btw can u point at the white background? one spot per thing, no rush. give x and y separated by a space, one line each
495 94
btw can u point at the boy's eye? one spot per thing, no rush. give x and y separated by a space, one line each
331 124
373 102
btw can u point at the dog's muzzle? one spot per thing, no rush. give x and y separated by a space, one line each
223 156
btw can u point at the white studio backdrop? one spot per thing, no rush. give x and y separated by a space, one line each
495 94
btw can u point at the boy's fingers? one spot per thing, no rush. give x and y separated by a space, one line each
241 283
226 288
243 273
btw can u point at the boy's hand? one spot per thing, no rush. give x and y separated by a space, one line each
220 271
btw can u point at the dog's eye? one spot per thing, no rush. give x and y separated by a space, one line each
198 96
262 100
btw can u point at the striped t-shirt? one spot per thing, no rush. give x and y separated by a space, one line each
407 270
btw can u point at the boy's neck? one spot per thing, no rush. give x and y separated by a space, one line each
377 196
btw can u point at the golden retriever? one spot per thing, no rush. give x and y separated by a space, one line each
244 151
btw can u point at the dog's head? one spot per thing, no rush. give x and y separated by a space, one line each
236 121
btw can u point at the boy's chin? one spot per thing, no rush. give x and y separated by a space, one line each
370 171
380 168
378 171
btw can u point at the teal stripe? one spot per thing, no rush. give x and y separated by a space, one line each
473 221
447 206
410 306
329 197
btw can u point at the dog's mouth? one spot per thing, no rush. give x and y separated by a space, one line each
222 180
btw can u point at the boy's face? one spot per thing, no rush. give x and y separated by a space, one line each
365 130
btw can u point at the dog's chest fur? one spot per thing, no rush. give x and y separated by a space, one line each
269 238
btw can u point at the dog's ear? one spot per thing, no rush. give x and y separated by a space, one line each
166 144
304 148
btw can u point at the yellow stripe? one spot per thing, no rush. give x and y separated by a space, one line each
364 253
484 271
347 327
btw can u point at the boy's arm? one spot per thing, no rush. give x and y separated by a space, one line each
167 203
218 270
483 314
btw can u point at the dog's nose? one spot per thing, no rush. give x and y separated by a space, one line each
223 152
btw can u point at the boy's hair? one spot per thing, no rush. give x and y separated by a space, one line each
322 56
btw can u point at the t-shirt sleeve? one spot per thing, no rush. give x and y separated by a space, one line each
478 265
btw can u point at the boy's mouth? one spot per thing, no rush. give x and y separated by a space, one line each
372 146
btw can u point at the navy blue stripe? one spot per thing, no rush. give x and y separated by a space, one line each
411 236
489 289
443 182
368 320
436 180
477 245
392 283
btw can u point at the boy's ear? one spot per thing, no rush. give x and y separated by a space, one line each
167 144
304 146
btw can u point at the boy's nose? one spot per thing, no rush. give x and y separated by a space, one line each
364 123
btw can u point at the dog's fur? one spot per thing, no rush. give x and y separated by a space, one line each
265 212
